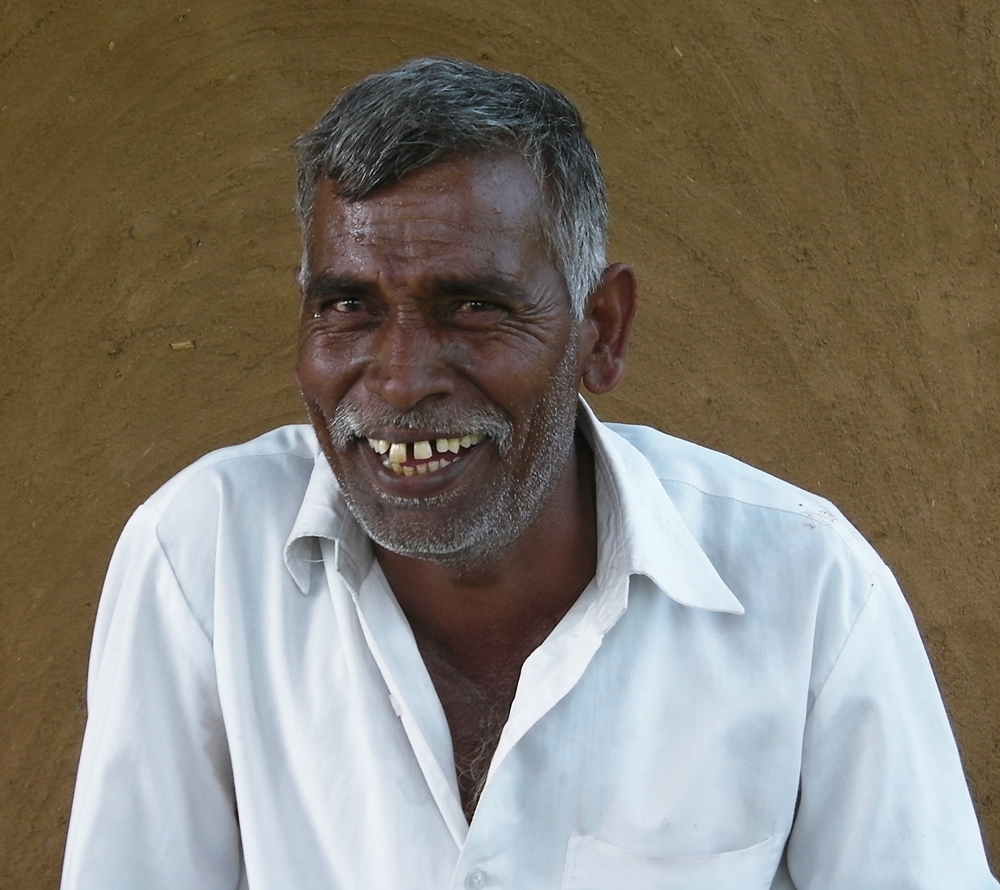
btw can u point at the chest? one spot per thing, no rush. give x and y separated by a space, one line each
476 705
645 749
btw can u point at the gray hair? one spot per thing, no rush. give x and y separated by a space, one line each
398 121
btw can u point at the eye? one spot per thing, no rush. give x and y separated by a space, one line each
477 314
342 314
479 307
341 306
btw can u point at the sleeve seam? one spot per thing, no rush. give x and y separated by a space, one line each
843 645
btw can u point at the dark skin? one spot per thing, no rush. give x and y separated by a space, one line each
476 632
438 291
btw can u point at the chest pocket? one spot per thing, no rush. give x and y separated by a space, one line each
593 864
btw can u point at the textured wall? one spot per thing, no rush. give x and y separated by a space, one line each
808 190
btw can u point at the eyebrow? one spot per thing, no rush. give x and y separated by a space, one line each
448 286
481 286
325 285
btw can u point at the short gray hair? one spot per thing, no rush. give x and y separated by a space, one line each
396 122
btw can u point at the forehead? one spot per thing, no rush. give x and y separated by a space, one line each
477 212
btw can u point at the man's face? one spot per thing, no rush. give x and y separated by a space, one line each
438 358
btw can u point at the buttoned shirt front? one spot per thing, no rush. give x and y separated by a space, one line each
738 700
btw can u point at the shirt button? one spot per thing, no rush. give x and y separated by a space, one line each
475 879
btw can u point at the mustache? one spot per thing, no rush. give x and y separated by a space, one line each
350 422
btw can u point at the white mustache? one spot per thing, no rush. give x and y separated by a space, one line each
350 422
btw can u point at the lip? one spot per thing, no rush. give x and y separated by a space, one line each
425 484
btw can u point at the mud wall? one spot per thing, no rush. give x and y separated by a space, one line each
809 192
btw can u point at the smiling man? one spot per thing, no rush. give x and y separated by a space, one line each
457 632
440 364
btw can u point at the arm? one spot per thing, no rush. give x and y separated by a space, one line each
154 804
884 803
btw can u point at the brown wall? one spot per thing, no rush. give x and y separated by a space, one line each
809 191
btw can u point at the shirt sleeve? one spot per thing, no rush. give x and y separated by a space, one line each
884 803
154 807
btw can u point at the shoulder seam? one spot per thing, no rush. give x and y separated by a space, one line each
870 571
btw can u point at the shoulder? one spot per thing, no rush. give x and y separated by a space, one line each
243 499
777 546
234 507
693 472
274 467
713 473
796 564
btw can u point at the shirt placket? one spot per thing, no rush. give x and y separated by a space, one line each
547 676
411 691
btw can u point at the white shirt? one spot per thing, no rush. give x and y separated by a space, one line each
739 700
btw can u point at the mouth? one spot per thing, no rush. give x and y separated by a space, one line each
423 457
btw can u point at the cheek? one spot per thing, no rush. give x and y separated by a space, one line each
534 384
555 397
513 374
324 370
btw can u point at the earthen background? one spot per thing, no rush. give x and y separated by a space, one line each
808 190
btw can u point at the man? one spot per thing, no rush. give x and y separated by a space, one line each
462 634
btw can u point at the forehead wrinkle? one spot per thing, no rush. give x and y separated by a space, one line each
470 225
496 187
427 254
370 225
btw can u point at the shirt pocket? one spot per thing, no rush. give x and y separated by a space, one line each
593 864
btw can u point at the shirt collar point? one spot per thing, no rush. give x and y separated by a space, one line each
651 537
324 515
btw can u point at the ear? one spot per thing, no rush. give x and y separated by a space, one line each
605 329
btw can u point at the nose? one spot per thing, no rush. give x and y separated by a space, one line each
406 364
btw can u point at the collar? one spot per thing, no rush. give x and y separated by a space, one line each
324 514
640 531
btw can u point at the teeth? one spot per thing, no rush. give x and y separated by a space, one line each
430 467
451 445
396 453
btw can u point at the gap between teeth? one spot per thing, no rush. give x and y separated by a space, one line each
396 452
